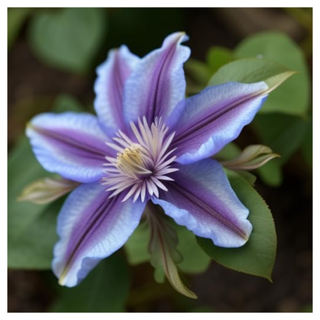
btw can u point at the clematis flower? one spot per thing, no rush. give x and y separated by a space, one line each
147 143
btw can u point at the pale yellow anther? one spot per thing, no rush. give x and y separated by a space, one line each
131 161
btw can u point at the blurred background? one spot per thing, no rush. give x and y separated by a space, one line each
52 56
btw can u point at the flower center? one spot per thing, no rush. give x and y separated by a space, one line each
131 162
142 161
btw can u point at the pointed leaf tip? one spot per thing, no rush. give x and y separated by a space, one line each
275 81
253 70
162 248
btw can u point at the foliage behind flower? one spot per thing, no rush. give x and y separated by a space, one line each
147 146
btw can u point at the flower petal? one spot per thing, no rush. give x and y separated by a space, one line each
201 199
108 87
214 117
70 144
91 227
158 82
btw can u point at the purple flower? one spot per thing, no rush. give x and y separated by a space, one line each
147 143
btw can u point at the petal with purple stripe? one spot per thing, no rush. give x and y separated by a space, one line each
109 85
91 227
202 200
70 144
158 82
214 117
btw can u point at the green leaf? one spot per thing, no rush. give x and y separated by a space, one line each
229 152
68 38
137 245
163 242
173 276
159 275
16 18
163 252
199 71
282 132
31 228
249 177
194 259
250 71
218 57
105 289
257 256
271 173
292 97
307 144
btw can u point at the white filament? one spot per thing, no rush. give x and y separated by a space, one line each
140 165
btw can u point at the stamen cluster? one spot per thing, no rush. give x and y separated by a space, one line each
140 165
